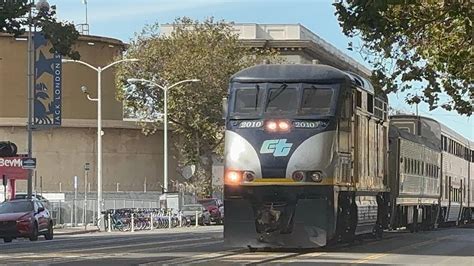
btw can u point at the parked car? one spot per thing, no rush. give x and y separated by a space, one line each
189 212
36 196
215 208
25 218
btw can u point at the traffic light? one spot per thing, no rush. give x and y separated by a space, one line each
8 149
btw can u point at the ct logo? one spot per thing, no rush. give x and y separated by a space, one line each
278 147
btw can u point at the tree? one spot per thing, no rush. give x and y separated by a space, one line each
14 20
206 50
428 44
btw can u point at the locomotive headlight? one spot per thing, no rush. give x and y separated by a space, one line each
283 125
271 126
277 126
233 177
249 176
316 176
298 176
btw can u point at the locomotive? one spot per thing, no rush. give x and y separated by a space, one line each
311 158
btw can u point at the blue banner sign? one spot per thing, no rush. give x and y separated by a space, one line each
47 91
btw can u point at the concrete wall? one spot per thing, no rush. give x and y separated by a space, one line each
129 157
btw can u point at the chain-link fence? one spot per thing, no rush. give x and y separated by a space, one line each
77 212
81 212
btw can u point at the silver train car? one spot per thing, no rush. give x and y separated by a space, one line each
305 157
414 173
454 180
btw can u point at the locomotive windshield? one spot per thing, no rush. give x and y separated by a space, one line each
266 99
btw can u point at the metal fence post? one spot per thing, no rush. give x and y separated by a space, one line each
133 223
151 221
197 222
71 210
169 219
59 222
94 222
109 222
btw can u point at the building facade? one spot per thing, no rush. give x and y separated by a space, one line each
131 160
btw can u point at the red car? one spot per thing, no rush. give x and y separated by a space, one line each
25 218
215 208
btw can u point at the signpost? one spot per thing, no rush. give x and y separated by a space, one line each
4 182
28 163
87 167
74 202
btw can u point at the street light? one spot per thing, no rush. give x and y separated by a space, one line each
165 126
99 122
41 5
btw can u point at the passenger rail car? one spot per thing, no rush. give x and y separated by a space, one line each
456 177
305 157
414 174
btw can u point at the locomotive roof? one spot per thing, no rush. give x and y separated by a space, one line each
311 73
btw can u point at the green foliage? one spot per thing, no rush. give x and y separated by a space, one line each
14 20
206 50
424 43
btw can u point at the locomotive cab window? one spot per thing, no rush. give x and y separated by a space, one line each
316 100
281 99
248 101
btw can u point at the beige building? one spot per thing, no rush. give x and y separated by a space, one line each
296 43
130 159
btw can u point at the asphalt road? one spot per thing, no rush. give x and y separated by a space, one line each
204 246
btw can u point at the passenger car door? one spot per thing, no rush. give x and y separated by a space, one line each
41 216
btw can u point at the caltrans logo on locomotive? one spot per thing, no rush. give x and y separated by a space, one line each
277 147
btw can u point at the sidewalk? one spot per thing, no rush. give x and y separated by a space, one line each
75 230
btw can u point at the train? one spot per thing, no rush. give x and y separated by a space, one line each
313 158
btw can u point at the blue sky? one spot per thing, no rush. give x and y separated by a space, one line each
122 18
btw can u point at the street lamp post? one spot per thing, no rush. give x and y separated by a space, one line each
99 122
41 5
165 122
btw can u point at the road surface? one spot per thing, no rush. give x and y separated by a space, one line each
204 246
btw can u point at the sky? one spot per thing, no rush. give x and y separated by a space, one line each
122 18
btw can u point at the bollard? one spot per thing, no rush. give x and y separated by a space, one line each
180 219
169 219
151 221
133 224
109 223
197 219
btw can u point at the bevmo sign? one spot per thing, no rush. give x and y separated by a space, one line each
12 168
10 162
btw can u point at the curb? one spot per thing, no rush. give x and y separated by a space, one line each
76 232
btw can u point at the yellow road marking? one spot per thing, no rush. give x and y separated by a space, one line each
371 257
394 251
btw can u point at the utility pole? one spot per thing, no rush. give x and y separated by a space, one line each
30 98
